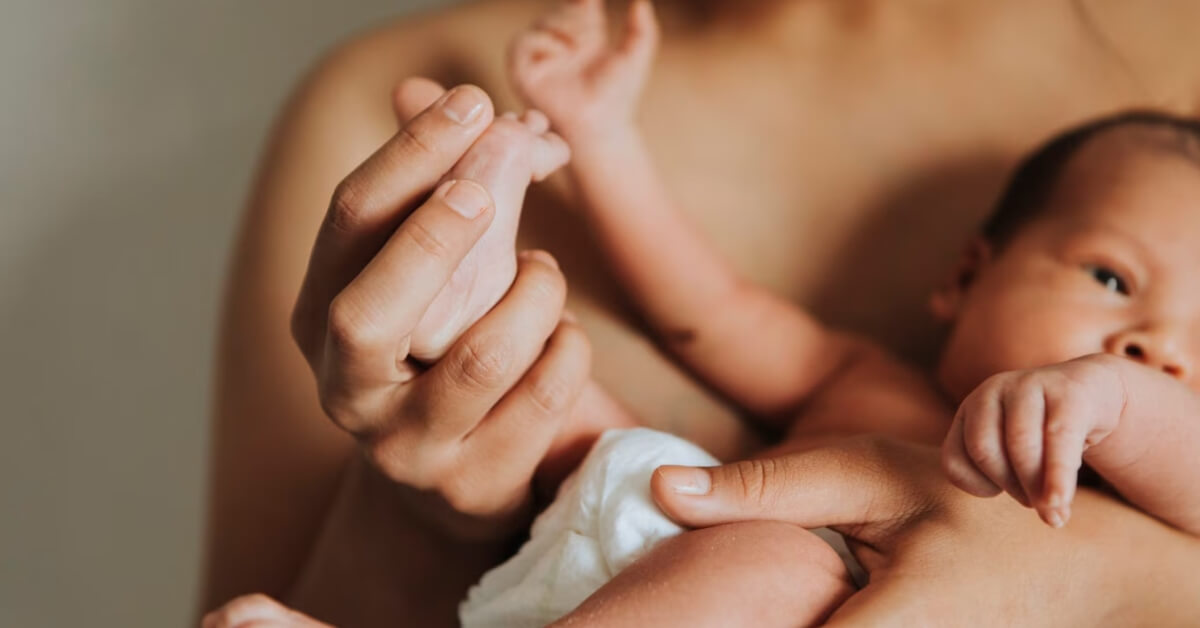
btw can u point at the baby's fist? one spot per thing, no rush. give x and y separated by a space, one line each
1025 432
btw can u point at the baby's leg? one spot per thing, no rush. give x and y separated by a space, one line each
756 573
509 155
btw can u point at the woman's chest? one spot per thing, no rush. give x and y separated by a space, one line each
845 176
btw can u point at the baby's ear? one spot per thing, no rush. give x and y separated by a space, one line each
947 300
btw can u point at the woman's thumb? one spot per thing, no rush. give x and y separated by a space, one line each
820 487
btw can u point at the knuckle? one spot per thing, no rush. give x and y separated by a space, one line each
1061 426
1026 384
951 460
484 363
546 282
551 394
575 342
412 139
425 239
464 496
255 600
750 478
980 449
346 325
994 381
346 208
1022 431
341 410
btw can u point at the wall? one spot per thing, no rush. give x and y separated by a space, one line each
128 132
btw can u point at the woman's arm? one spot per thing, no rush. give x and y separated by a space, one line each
280 477
276 458
939 557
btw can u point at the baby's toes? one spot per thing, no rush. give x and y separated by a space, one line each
550 152
535 121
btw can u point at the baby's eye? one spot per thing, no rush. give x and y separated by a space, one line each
1108 278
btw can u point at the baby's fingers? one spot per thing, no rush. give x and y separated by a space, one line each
1065 437
1024 420
983 416
958 466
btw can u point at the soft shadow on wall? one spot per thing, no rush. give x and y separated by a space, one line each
128 134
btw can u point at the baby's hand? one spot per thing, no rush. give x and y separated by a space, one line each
1026 432
566 67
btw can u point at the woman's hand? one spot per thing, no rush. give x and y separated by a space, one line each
470 430
258 611
937 556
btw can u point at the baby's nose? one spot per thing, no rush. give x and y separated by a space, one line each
1157 348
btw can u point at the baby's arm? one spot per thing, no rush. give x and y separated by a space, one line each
1028 432
762 351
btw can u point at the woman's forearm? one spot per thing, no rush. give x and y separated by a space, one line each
378 563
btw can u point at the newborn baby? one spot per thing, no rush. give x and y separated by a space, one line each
1074 335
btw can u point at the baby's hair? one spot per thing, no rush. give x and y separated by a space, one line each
1034 180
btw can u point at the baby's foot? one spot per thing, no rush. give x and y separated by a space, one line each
509 155
565 66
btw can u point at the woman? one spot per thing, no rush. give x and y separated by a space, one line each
818 139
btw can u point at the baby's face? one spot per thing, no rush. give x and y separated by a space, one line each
1112 265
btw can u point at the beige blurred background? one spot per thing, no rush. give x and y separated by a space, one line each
128 133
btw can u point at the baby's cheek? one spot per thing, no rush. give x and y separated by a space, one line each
995 339
1026 335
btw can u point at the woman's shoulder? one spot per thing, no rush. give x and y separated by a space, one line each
340 111
462 43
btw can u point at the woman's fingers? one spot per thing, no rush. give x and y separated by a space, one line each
414 95
370 321
370 202
259 611
475 425
490 357
862 481
516 435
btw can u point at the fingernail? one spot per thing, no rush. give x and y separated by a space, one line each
465 197
540 256
1054 519
462 105
687 480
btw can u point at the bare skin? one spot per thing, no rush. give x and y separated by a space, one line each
1062 322
900 158
514 150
